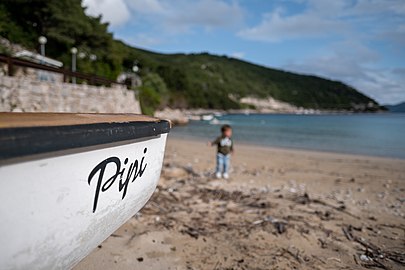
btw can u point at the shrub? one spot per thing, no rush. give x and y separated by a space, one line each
149 99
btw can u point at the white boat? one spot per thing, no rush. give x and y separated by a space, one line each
68 181
207 117
215 122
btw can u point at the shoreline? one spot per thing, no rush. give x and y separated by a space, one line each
191 138
183 116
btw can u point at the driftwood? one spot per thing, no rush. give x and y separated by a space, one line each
374 255
296 255
305 199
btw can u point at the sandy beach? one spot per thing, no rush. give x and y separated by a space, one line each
281 209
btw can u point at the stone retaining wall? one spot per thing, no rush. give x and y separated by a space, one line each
28 95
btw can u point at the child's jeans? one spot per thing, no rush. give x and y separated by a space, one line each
222 163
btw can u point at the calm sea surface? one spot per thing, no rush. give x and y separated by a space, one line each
365 134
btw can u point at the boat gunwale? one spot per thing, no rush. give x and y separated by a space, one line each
26 141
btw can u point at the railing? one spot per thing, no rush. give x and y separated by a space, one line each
89 78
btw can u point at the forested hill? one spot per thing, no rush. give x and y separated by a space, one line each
178 80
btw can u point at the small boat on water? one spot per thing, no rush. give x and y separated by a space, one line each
207 117
68 181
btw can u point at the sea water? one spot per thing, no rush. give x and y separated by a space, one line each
381 134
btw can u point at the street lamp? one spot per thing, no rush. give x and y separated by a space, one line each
134 76
135 68
42 40
74 52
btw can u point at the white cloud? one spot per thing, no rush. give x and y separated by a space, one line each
322 18
277 27
355 64
378 7
171 16
239 55
177 16
113 11
147 6
206 13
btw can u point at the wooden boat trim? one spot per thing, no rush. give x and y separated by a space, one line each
23 134
14 120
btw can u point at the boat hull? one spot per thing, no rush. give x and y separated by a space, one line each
57 208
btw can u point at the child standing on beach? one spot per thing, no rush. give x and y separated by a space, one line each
224 145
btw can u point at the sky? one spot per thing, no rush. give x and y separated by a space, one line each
358 42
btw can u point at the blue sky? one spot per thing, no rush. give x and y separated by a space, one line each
359 42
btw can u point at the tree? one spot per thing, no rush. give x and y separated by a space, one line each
155 82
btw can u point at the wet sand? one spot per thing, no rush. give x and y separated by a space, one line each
281 209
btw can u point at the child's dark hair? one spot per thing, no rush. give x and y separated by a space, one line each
225 128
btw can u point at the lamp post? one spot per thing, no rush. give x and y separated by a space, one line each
134 77
42 41
74 52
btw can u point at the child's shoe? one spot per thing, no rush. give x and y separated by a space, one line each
226 175
218 175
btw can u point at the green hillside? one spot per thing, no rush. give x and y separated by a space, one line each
176 80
